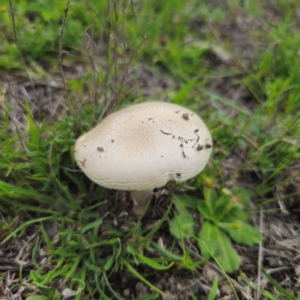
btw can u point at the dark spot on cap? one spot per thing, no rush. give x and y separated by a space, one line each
112 141
199 147
185 116
178 174
100 149
167 133
82 162
196 130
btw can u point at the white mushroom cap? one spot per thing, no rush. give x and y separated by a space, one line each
144 146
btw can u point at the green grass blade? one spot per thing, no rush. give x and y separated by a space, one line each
141 278
279 288
214 290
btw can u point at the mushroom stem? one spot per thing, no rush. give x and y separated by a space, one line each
140 199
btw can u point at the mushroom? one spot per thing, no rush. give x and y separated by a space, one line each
144 146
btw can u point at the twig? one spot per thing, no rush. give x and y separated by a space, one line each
111 100
123 23
62 54
137 48
108 28
70 170
107 39
21 56
123 76
280 269
95 72
281 204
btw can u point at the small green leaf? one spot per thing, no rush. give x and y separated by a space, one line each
153 264
235 214
210 196
37 278
242 232
206 211
226 256
109 262
183 202
91 225
132 250
165 252
223 207
49 293
208 239
182 225
242 194
148 261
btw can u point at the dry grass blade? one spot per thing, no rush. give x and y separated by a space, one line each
62 54
20 54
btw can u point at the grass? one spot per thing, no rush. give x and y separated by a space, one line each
251 106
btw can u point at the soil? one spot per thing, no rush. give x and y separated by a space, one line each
280 255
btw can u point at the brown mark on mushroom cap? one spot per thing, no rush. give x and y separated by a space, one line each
199 147
166 132
185 116
207 146
82 162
